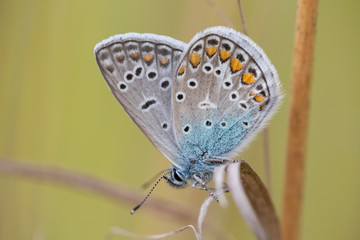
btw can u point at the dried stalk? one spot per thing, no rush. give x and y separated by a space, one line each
83 181
220 13
265 132
243 24
116 192
267 160
299 111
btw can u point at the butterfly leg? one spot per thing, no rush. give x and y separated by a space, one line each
198 181
218 160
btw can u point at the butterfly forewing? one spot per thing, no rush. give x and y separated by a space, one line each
225 89
138 69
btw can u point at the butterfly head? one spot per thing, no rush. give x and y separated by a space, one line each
195 172
177 178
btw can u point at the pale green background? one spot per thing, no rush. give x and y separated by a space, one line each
56 109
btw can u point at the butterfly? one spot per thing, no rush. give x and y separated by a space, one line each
198 103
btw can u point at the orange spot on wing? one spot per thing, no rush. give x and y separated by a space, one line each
224 55
164 61
211 51
235 65
248 78
120 58
195 59
262 107
148 57
134 55
252 94
181 70
259 98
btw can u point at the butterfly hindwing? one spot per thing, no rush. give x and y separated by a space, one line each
138 69
224 90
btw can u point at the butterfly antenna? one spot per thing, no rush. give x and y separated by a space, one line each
147 184
147 196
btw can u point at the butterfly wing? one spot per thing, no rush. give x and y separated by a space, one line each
225 89
138 69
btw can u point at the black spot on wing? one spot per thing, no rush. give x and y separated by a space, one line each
147 104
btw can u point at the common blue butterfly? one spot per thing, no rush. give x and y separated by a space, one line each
199 103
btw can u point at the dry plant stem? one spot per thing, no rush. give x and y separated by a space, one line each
220 13
70 178
242 18
92 184
299 110
267 161
265 133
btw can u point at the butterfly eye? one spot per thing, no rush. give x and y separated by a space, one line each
177 177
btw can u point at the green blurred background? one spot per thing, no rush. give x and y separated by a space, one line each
55 109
